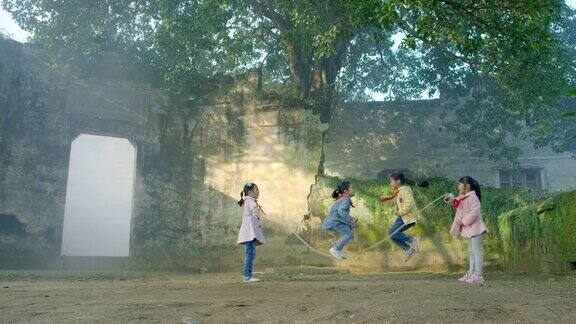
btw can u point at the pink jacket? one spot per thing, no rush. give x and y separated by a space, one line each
250 229
468 220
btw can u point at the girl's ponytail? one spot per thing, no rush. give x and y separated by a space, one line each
477 189
247 188
241 201
405 181
423 184
474 185
343 186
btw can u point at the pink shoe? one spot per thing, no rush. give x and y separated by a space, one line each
473 279
464 277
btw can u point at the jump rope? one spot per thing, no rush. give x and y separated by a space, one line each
313 249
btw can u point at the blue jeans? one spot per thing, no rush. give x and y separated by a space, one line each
400 238
249 259
347 235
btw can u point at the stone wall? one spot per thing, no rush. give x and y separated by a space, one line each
365 139
274 146
524 236
41 112
193 158
541 237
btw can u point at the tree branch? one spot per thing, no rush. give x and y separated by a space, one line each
266 10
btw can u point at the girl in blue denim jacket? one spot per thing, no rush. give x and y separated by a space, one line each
339 219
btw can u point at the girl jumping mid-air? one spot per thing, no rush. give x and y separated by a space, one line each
406 213
339 219
468 223
250 231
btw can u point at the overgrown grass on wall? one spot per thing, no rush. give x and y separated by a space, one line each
529 231
541 236
438 217
510 215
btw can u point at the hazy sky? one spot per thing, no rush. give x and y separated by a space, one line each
98 212
9 26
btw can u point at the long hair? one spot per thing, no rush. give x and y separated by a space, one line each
399 176
247 188
474 185
343 186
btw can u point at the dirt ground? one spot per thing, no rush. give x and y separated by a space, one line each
105 297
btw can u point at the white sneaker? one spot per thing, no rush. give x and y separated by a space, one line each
252 280
408 254
335 253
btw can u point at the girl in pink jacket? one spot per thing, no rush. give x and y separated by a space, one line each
468 224
250 234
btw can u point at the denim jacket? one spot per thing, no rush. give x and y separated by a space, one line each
339 213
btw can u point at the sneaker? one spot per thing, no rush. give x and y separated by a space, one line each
416 243
252 279
335 253
464 277
474 279
408 254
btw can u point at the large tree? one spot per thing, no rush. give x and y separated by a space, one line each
518 56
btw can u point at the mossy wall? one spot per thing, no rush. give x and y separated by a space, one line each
194 153
439 250
524 235
193 156
541 237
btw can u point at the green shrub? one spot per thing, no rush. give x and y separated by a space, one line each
438 217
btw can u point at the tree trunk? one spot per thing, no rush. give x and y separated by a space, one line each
299 63
324 74
311 76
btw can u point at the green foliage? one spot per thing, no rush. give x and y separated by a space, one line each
518 226
566 211
508 62
438 217
545 226
570 92
519 222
